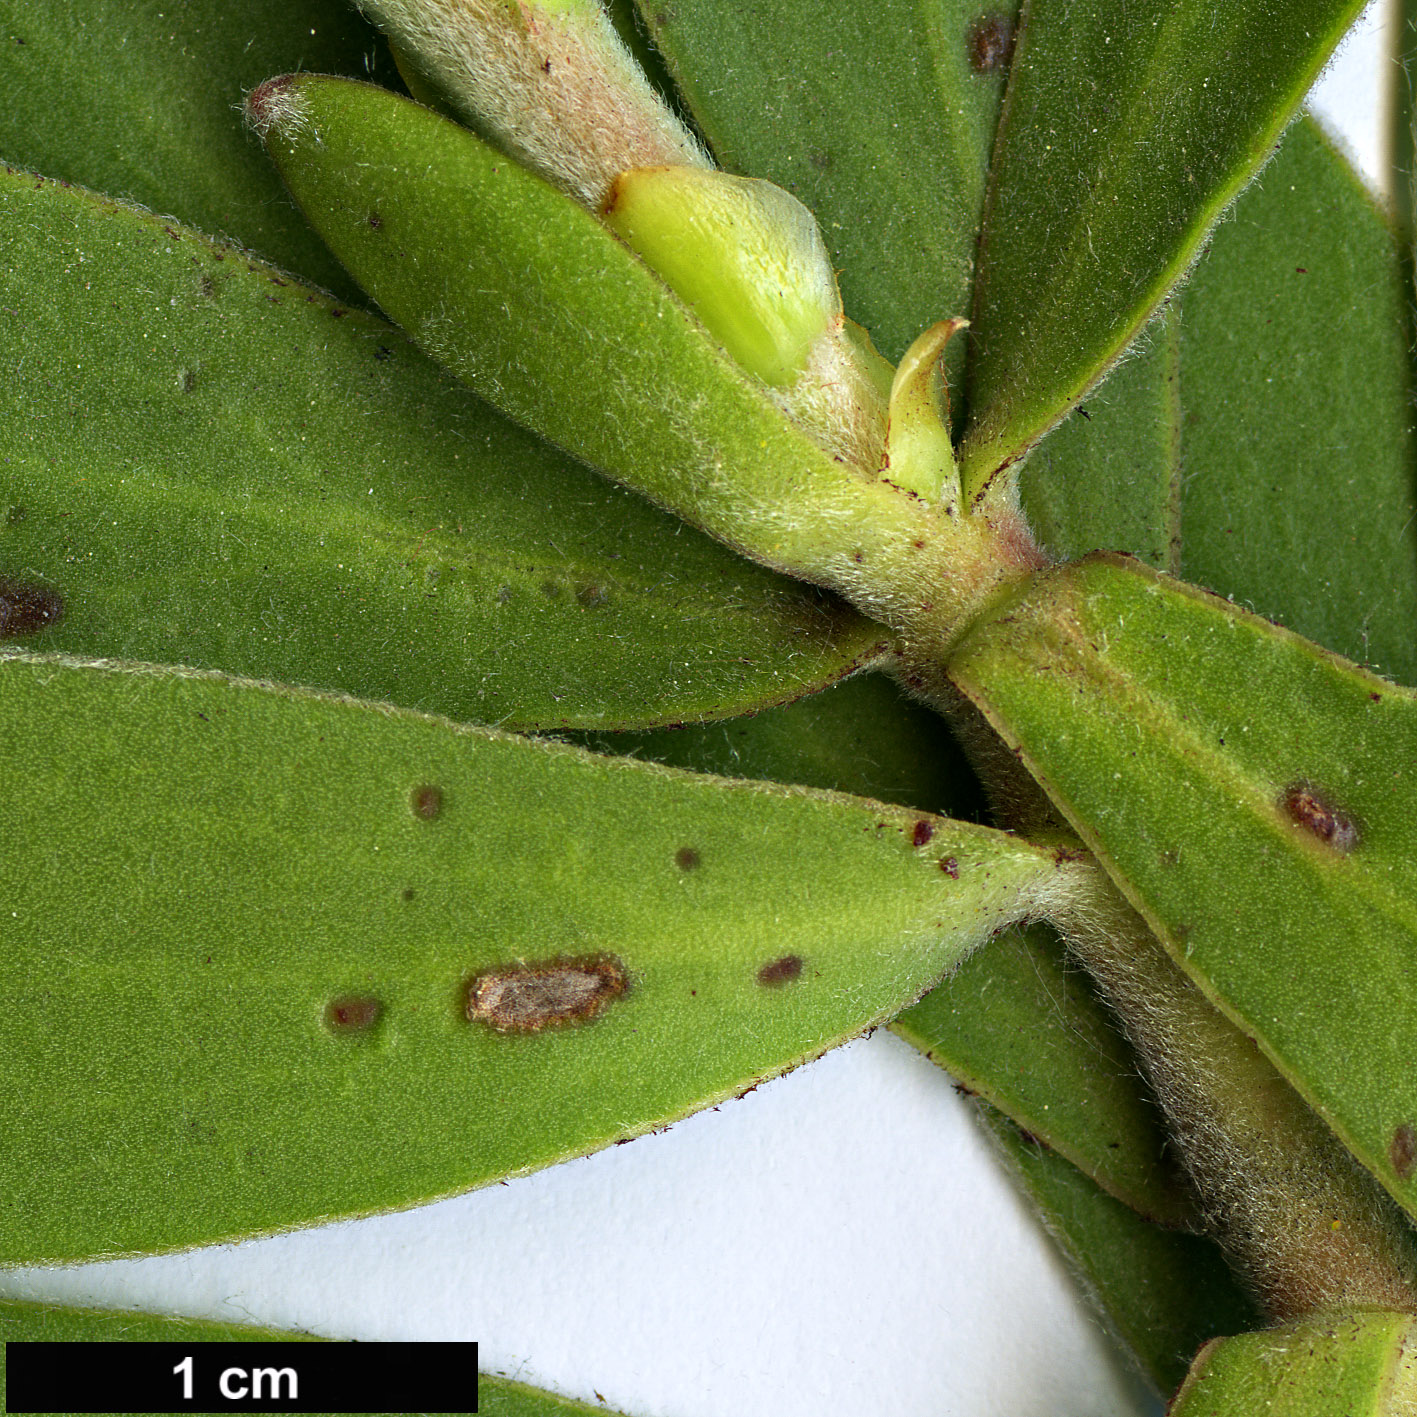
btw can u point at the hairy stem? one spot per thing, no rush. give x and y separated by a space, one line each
1301 1220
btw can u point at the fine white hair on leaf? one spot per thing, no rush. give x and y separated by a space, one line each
278 104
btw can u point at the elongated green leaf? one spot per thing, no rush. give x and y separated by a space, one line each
208 463
1254 797
1125 132
1019 1027
1332 1365
530 299
1301 472
282 957
1162 1293
142 101
27 1322
880 118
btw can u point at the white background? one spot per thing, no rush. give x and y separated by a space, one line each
839 1241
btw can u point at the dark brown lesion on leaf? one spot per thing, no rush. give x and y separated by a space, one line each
26 609
687 858
352 1013
526 998
1402 1151
921 833
775 973
1310 809
426 801
989 43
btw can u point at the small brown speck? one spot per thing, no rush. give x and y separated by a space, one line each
375 221
686 859
592 595
778 972
1402 1151
989 44
921 833
27 609
426 801
950 866
408 893
352 1013
527 998
1307 808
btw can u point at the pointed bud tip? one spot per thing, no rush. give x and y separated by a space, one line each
277 103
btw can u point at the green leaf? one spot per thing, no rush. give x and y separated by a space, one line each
1252 796
874 116
282 957
1331 1365
23 1321
1125 133
532 301
211 464
1298 437
863 736
142 101
1162 1293
1108 478
1021 1028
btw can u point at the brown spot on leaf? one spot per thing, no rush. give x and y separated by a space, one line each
375 220
950 866
352 1013
989 44
408 892
686 859
27 609
592 595
1402 1151
921 833
426 801
526 998
778 972
1306 807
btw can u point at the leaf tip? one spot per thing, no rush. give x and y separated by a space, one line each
277 103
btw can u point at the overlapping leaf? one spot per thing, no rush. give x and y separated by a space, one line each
1253 796
1359 1364
1015 1024
879 118
1125 133
207 463
1163 1293
142 102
